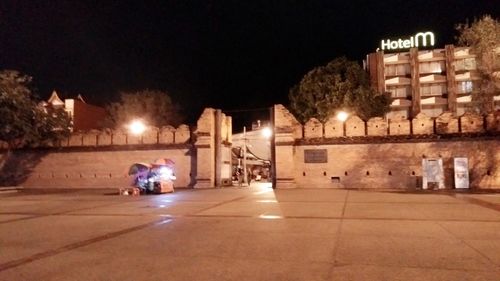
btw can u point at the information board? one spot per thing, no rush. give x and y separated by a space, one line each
432 173
461 167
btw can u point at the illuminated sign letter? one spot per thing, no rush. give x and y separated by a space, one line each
424 35
386 44
422 39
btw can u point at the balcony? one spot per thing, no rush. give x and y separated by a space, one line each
433 78
431 55
398 81
400 103
464 99
397 58
467 76
463 53
433 101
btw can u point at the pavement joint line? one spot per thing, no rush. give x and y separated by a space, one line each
413 267
478 202
255 216
219 204
337 237
69 247
470 246
59 213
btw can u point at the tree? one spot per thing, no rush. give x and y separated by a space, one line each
23 121
154 107
340 85
483 37
52 125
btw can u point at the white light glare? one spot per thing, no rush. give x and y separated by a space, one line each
137 127
167 173
270 217
342 116
266 132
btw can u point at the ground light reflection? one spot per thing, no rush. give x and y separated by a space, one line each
270 203
165 221
270 217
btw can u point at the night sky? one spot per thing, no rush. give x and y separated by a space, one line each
223 54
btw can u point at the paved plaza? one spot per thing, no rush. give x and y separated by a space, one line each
250 233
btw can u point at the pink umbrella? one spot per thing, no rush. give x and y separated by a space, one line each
138 168
164 162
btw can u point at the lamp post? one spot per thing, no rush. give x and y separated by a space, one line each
245 155
342 116
273 146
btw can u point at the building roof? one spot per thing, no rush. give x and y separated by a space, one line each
55 100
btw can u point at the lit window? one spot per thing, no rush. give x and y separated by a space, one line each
465 87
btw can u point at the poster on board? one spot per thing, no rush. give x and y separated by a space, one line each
432 173
461 167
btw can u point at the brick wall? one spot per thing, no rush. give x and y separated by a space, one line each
95 158
91 167
395 165
445 124
383 153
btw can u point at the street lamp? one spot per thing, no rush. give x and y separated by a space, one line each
266 132
342 116
137 127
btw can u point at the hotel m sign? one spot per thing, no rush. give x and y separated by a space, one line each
421 39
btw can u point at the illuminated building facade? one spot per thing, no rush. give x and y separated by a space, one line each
429 81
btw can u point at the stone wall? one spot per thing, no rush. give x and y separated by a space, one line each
313 129
395 165
206 148
383 153
376 127
334 128
97 159
285 122
444 124
355 127
107 137
94 168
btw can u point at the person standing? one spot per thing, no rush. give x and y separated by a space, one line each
239 176
249 177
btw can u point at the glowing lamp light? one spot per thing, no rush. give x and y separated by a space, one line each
342 116
266 132
137 127
167 173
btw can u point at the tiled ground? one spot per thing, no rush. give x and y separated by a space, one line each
251 233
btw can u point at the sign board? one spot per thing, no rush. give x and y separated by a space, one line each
315 156
421 39
432 172
461 165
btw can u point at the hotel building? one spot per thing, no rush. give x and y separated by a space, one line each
429 81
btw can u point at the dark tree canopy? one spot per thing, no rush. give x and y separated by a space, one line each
23 121
340 85
483 37
155 108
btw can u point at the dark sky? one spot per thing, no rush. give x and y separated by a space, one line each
223 54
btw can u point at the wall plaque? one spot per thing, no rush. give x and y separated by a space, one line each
315 156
